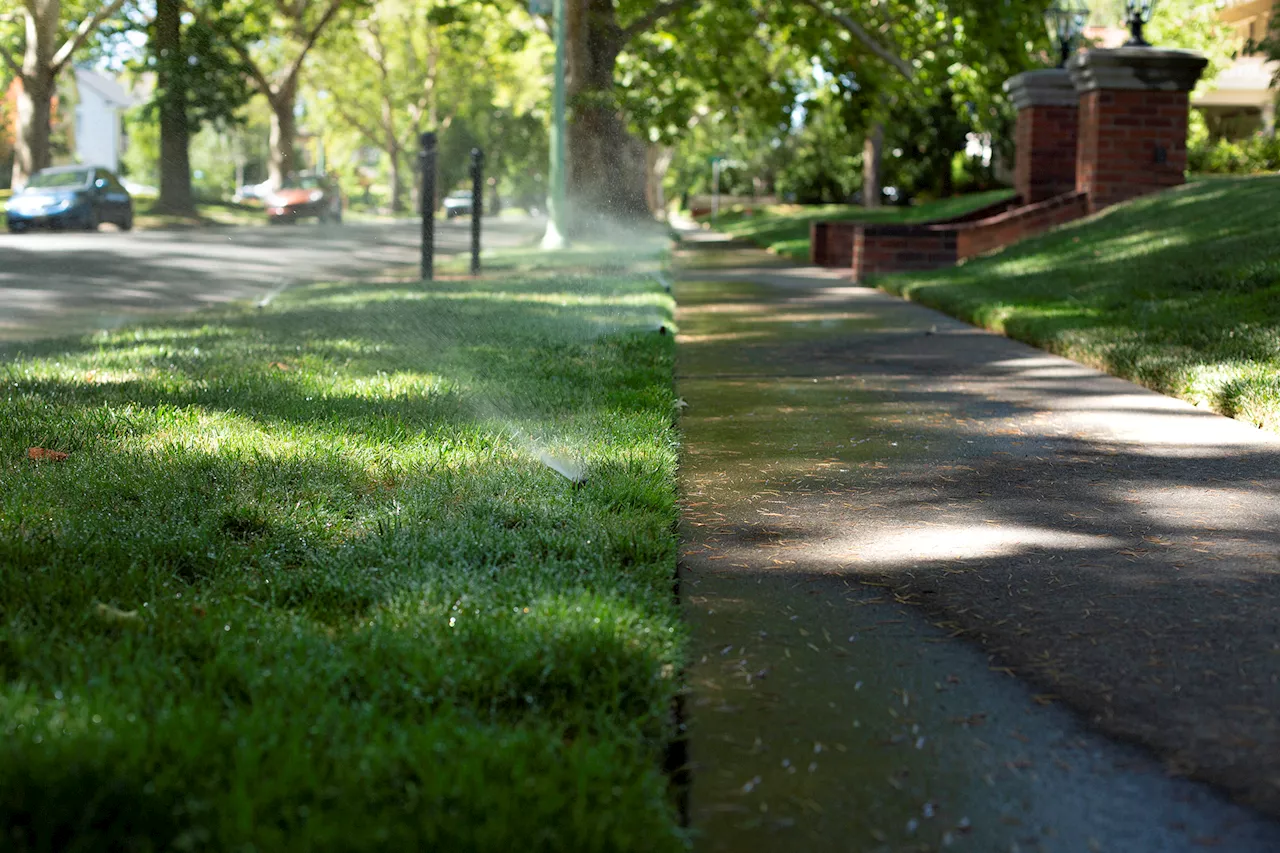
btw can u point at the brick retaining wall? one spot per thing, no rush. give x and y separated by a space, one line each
831 243
893 248
879 249
1008 228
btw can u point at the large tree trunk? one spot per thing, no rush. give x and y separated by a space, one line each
35 110
284 132
606 165
872 155
35 92
175 131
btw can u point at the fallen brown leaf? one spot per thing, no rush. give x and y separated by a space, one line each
40 454
112 614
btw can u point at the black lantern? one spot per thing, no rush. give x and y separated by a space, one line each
1066 20
1137 14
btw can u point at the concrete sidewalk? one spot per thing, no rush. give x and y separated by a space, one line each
887 513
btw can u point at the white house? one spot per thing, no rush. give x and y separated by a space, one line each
98 140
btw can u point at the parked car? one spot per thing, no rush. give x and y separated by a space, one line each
70 197
251 192
305 195
457 203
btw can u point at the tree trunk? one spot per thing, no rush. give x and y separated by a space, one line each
606 165
35 92
284 132
175 131
948 183
872 154
31 145
393 176
657 161
392 145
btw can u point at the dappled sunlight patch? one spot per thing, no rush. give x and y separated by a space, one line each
945 543
724 337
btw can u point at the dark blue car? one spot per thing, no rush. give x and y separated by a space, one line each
70 197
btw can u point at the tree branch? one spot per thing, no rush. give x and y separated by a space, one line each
310 40
374 138
379 50
859 32
82 33
657 13
254 71
13 64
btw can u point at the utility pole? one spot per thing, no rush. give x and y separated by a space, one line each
555 236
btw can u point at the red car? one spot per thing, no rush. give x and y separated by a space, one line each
305 195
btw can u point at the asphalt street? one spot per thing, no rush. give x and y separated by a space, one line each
55 284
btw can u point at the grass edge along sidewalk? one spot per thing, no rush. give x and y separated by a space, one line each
301 582
1175 291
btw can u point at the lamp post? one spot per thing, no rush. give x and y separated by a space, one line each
1137 14
554 238
1065 20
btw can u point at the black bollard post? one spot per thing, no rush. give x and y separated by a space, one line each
477 206
427 202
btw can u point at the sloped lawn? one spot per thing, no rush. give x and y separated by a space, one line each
1178 291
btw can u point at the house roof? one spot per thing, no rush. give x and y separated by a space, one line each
104 87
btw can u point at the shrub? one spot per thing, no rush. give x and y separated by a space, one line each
1242 157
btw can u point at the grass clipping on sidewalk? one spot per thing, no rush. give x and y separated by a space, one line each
1176 291
301 582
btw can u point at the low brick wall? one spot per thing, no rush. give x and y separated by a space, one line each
897 248
831 243
1007 228
883 249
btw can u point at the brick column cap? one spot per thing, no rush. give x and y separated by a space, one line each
1046 87
1137 69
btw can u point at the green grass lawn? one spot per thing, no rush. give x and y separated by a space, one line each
784 228
303 584
1179 291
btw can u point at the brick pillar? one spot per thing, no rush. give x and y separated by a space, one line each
1048 114
1133 120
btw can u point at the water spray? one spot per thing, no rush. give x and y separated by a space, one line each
572 470
276 291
